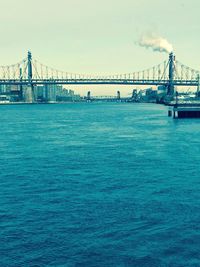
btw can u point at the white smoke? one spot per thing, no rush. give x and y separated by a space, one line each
157 43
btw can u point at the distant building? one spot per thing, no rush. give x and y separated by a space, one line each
161 93
54 93
49 93
150 93
162 90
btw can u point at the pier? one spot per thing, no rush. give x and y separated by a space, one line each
186 111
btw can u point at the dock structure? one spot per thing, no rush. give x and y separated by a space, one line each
186 111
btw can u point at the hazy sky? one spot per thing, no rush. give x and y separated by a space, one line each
98 37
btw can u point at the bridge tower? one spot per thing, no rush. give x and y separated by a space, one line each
170 89
30 73
29 90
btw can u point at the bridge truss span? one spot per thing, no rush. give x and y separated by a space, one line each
31 72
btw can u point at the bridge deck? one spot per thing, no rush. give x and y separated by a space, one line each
96 82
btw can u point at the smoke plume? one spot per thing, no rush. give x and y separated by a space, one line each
158 44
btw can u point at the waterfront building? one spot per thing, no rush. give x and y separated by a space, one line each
54 93
49 93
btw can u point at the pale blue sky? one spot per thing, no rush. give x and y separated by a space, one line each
98 37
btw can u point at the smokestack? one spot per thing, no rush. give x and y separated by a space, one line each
88 95
157 43
118 95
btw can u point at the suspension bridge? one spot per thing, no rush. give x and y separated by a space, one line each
30 72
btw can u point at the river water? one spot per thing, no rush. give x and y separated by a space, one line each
105 184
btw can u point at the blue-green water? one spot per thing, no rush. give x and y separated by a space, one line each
98 185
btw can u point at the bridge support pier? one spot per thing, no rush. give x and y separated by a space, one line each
28 94
29 91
